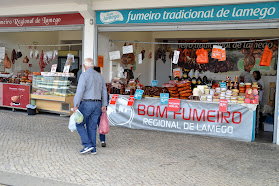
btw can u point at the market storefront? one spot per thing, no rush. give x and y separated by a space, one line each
156 34
30 47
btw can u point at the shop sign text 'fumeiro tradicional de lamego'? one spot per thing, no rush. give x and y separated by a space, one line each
258 11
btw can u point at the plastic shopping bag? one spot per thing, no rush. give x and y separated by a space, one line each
266 57
72 123
104 124
78 117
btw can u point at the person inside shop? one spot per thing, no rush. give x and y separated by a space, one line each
259 80
91 101
79 72
246 77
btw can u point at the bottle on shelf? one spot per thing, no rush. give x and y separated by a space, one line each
194 82
236 82
199 81
185 75
204 80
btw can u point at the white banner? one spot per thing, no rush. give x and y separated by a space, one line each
202 118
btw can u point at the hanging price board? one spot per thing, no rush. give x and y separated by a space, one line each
223 105
174 105
113 99
131 101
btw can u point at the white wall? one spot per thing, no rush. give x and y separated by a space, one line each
104 47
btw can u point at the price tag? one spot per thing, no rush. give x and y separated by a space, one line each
223 85
174 105
66 69
140 58
53 68
154 83
138 94
223 105
131 101
113 99
164 98
177 72
127 49
175 57
114 55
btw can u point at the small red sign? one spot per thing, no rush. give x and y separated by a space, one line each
223 105
113 99
131 101
101 61
16 95
174 105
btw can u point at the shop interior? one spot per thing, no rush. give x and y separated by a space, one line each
157 64
27 59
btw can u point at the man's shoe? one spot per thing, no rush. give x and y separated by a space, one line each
93 151
104 144
86 149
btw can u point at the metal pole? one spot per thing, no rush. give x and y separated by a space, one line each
213 43
95 49
276 114
78 44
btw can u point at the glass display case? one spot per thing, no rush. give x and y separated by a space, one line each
54 85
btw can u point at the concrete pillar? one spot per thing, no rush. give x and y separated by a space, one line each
89 41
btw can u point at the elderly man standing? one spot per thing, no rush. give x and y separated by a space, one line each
91 100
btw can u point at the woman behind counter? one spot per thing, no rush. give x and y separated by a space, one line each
259 80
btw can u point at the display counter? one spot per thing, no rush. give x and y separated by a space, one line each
53 93
14 95
54 104
194 117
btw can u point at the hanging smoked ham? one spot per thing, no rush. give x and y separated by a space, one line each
249 60
7 61
25 60
41 62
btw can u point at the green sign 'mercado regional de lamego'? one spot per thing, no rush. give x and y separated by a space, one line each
257 11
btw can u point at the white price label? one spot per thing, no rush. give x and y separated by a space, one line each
128 49
114 55
175 57
66 69
53 68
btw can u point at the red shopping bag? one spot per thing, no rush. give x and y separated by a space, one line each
104 124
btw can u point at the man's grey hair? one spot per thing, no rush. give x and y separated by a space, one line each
88 62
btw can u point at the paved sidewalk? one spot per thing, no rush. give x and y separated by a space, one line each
41 146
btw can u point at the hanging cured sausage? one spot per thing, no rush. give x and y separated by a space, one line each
13 56
41 62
